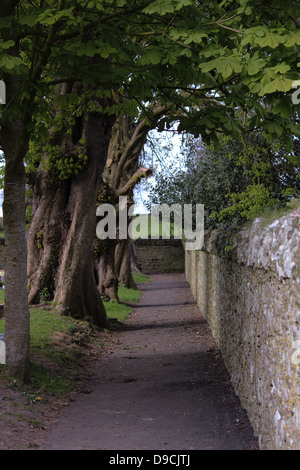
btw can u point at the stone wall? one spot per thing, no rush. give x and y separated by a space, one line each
159 256
247 286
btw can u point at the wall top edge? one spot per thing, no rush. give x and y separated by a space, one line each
273 247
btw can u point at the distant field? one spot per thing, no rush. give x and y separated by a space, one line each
143 226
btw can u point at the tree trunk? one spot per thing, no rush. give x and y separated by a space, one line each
121 175
76 267
63 227
16 311
123 263
105 269
45 236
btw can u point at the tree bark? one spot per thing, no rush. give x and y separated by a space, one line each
17 331
76 267
105 270
123 263
14 143
45 236
121 174
63 227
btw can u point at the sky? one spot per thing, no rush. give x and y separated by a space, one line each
166 154
139 207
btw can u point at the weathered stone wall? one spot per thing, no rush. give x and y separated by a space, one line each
159 256
248 287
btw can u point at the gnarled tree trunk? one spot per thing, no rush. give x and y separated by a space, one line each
123 263
63 227
106 277
46 234
121 174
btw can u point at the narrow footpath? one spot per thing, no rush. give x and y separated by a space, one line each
163 386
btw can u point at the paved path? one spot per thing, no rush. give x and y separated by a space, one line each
162 387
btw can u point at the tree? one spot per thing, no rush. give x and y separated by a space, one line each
235 183
122 173
224 54
37 40
62 223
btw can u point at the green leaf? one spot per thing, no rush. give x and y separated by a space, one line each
47 18
236 66
292 39
183 3
273 128
29 19
253 35
279 84
227 72
186 52
268 76
254 66
9 62
106 50
225 66
255 87
7 44
195 36
170 58
151 57
271 40
271 87
212 64
283 107
161 7
282 68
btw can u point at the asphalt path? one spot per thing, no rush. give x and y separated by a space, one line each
162 386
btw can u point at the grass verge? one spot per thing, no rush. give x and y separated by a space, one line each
61 339
64 353
121 310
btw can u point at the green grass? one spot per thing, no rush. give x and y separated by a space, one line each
42 379
164 228
44 322
117 310
140 278
269 215
121 310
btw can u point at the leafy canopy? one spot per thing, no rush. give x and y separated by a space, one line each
207 58
235 183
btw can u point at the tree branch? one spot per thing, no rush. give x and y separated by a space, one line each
230 29
138 175
102 20
141 132
47 47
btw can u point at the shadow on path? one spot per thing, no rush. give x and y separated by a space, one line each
163 386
